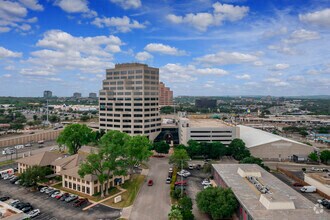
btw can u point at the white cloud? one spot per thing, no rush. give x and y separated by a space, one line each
284 49
221 13
76 6
258 63
5 53
124 24
321 18
32 4
164 49
302 35
324 69
280 66
276 82
207 85
62 51
297 78
143 56
272 32
7 76
244 76
179 73
223 58
127 4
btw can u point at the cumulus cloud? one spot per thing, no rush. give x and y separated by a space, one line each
302 35
75 6
5 53
321 18
32 4
323 69
180 73
224 58
127 4
62 51
143 56
13 15
280 66
284 49
276 82
124 24
164 49
244 76
221 13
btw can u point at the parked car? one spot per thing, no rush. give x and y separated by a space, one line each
179 183
4 198
308 189
207 186
58 196
170 169
323 202
27 209
18 182
19 146
28 145
150 183
14 202
34 213
22 205
71 198
64 196
43 189
49 190
80 202
184 173
191 166
55 193
297 184
17 204
7 176
168 180
13 180
198 166
206 182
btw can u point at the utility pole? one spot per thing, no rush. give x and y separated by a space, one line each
47 113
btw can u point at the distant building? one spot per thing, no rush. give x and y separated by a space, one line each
165 95
92 95
205 103
270 146
48 94
206 130
262 196
77 95
129 100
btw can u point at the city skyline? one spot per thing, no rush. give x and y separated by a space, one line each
220 48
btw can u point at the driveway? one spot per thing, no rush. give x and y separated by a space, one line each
53 209
153 202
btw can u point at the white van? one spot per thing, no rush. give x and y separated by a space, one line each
19 146
308 189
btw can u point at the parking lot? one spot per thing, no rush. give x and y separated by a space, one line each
52 208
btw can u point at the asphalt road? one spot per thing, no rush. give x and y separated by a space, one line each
153 202
53 209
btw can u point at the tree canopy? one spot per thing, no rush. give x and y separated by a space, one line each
238 150
161 147
219 203
313 157
179 158
33 175
74 136
325 156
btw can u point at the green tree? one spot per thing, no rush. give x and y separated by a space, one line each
74 136
218 202
34 174
137 150
303 133
175 213
84 118
161 147
194 148
313 156
113 146
238 150
17 126
54 118
179 158
186 205
94 165
254 160
325 156
35 117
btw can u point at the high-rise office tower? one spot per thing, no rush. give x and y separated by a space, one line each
92 95
129 100
48 94
165 95
77 95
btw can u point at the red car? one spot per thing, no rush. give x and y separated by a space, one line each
150 183
181 183
80 202
297 184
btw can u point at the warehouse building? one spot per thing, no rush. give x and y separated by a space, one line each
269 146
262 196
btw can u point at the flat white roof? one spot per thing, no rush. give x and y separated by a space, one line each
207 123
249 197
254 137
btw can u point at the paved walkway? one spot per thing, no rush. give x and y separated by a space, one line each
103 200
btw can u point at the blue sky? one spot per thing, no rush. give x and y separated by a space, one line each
202 47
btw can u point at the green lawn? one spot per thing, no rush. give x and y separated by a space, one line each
132 186
3 163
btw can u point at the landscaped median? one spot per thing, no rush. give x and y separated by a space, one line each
132 188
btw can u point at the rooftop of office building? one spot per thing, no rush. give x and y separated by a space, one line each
207 123
263 195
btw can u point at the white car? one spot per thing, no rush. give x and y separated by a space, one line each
207 186
206 182
48 190
34 213
19 146
6 177
170 169
191 166
55 194
17 182
43 189
28 145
